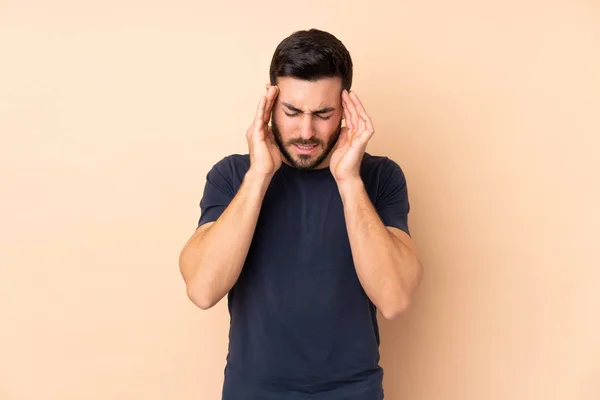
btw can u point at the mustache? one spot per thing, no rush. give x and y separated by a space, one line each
305 142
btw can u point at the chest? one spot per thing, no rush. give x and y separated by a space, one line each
301 227
300 260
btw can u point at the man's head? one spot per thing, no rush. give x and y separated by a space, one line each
311 68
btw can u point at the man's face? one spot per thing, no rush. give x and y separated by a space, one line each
306 120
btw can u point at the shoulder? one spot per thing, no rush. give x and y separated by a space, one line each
231 166
232 163
383 178
229 171
378 169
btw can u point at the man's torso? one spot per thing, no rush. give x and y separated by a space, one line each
301 324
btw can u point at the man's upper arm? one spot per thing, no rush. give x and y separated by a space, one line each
218 192
391 202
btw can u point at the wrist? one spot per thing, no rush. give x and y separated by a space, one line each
350 187
258 180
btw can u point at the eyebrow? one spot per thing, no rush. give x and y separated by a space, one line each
321 111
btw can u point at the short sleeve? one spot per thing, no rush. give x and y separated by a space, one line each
218 192
392 202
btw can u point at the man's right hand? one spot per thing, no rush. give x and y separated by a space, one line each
213 258
265 157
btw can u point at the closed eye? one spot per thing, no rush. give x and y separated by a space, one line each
319 116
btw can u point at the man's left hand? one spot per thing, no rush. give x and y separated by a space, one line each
346 159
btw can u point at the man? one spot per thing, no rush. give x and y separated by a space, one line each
307 235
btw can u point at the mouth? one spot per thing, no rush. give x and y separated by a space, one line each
305 148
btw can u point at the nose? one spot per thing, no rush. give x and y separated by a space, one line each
306 129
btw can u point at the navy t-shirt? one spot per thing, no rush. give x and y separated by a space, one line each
301 325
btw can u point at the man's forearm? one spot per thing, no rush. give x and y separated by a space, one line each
386 268
212 260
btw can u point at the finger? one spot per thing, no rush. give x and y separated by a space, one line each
366 135
362 113
272 92
257 118
265 117
347 119
351 111
260 111
366 129
265 112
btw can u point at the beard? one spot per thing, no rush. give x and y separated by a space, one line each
305 162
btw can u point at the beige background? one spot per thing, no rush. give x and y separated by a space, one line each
112 112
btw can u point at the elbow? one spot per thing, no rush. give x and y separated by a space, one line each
396 303
400 298
393 309
201 298
197 293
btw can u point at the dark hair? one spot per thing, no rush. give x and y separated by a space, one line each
311 55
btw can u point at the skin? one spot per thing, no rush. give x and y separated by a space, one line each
307 113
303 112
